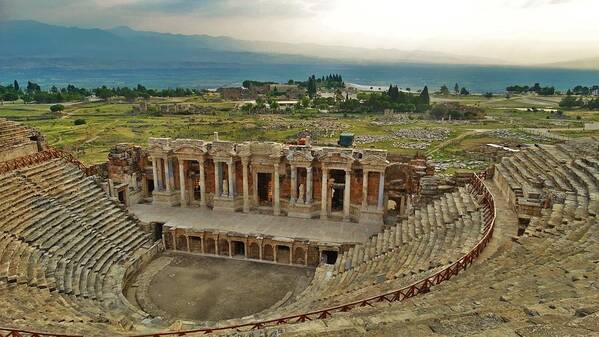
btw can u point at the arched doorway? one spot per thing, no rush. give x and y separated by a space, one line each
254 251
209 246
299 256
268 253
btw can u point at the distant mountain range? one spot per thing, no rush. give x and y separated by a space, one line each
586 63
34 44
31 44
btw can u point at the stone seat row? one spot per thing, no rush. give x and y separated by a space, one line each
10 129
433 237
74 249
84 198
52 245
547 169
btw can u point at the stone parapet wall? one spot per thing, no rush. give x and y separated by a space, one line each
258 247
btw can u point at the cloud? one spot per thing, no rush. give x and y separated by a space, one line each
223 8
536 3
496 28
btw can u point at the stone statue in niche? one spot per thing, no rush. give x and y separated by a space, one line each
225 188
300 197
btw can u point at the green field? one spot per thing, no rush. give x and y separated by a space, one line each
110 123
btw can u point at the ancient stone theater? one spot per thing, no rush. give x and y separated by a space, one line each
187 237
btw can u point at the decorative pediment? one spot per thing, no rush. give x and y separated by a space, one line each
374 159
300 155
159 146
244 150
337 156
189 147
222 150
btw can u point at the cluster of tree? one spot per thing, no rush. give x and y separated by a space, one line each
330 81
456 111
456 90
536 88
582 90
262 105
570 101
250 83
104 92
392 99
33 92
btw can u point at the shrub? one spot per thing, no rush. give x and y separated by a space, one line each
56 107
79 121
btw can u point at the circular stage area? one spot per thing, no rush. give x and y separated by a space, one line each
201 288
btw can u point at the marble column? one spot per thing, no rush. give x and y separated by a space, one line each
347 195
231 178
246 188
323 194
309 185
305 256
255 187
379 205
160 169
293 185
365 189
182 182
202 162
276 192
217 178
155 173
168 173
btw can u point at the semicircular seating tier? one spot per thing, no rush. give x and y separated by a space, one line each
64 247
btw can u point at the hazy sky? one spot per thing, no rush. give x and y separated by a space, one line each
520 31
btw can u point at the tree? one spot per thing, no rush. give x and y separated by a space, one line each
247 107
16 85
274 104
312 86
424 98
57 108
10 96
455 111
488 95
305 102
568 102
456 88
32 87
464 92
444 90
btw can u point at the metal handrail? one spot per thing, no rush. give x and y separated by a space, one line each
477 186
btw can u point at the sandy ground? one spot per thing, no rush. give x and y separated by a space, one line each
200 288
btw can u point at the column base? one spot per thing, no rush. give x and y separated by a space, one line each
371 216
164 198
227 204
304 211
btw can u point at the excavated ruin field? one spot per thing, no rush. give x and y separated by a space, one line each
204 288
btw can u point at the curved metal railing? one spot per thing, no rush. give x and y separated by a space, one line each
423 286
